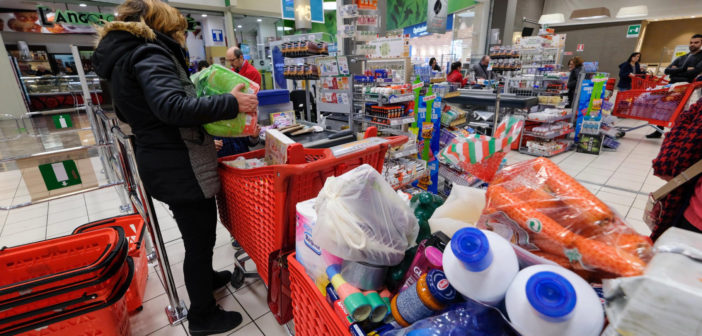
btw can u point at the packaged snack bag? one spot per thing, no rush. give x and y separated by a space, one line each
219 80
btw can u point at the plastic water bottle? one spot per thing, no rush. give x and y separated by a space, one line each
548 300
480 264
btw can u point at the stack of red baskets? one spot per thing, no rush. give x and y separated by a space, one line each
71 285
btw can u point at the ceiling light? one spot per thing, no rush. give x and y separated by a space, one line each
329 5
632 11
280 28
551 18
467 14
259 20
287 28
204 15
116 14
239 26
590 13
83 5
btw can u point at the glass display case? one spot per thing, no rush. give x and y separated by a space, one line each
56 85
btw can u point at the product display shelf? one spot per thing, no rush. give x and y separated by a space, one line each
550 135
551 120
546 154
377 98
390 121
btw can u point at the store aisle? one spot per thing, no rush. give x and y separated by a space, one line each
622 179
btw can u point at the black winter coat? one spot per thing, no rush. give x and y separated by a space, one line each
176 159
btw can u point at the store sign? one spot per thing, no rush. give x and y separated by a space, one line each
68 17
217 35
421 29
317 11
60 174
581 47
436 16
680 50
288 9
633 31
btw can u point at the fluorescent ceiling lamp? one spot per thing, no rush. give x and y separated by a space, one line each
259 20
83 5
329 5
590 13
239 26
552 18
632 11
280 28
204 15
287 28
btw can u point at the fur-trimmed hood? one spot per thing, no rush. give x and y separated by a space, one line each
116 39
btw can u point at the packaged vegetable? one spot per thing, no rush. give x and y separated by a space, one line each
546 211
217 80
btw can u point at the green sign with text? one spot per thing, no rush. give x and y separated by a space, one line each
633 31
72 17
60 174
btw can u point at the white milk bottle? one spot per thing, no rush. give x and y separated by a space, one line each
548 300
480 264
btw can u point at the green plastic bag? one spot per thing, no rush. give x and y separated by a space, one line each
219 80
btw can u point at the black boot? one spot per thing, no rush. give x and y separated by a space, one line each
215 322
655 135
221 279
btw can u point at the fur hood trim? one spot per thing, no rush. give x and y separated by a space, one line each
138 29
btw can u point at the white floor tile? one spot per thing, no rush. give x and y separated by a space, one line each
32 211
610 198
63 216
24 237
169 330
151 318
250 329
270 327
253 298
29 224
227 301
65 227
154 287
592 178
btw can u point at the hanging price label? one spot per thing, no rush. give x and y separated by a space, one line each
428 98
417 85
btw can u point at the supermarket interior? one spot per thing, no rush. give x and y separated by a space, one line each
350 167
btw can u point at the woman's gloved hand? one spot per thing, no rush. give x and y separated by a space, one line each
248 103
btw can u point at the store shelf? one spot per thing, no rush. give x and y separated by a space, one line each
550 135
551 120
404 153
56 111
540 153
77 92
391 122
306 55
335 90
451 95
331 107
391 100
437 80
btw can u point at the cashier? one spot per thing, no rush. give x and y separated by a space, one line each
456 76
233 146
481 69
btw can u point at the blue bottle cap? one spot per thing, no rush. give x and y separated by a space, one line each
439 287
551 295
471 246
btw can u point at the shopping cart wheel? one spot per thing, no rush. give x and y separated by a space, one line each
139 309
235 244
621 134
238 278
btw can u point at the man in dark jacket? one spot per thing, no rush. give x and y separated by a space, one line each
176 159
684 69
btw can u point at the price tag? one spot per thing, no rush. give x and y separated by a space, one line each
428 98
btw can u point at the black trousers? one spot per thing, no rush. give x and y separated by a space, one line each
197 222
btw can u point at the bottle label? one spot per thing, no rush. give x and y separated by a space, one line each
443 284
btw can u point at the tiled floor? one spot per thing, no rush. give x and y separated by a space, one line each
622 179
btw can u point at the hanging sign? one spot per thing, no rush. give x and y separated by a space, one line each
303 14
46 20
317 11
680 50
633 31
422 28
217 35
288 9
581 47
437 16
60 174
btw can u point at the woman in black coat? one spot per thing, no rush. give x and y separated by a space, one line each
575 65
627 70
141 56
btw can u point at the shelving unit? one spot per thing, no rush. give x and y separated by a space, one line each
334 87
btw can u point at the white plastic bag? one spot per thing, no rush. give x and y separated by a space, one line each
361 218
462 208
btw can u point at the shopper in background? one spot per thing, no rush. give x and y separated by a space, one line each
233 146
575 66
628 70
684 69
481 69
141 56
202 65
434 64
455 76
236 60
681 149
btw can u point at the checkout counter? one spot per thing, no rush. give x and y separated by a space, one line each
484 103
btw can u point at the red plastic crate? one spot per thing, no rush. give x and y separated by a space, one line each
134 228
257 205
313 315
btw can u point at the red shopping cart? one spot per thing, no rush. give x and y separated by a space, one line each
257 205
659 107
642 82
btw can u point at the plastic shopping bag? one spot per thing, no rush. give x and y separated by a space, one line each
217 80
361 218
462 208
550 214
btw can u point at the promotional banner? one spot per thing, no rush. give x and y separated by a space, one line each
46 20
436 16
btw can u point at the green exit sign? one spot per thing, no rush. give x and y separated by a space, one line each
633 31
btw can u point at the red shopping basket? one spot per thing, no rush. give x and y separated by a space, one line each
642 82
57 279
658 107
133 226
313 315
258 205
104 318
